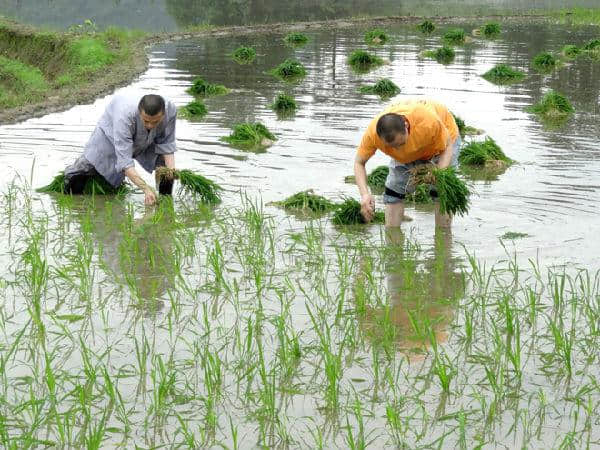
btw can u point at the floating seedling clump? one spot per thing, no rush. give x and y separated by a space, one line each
295 39
452 192
426 27
348 213
553 106
454 36
94 185
244 55
443 55
376 37
484 153
290 70
463 128
192 183
491 30
421 194
201 88
375 180
195 110
503 74
250 136
284 104
307 201
592 48
362 61
545 62
571 51
385 88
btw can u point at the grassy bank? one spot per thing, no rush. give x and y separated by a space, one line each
577 16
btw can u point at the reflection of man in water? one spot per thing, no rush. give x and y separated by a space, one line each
412 133
420 298
130 129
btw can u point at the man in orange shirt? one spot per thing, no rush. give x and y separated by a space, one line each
412 133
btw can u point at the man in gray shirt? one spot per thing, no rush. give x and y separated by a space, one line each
130 129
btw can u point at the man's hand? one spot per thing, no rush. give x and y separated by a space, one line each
149 196
367 207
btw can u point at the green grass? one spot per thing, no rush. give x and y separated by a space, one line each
376 37
296 39
570 51
20 83
553 105
504 74
578 16
454 36
201 88
195 110
89 55
244 55
348 213
482 153
284 104
362 61
384 88
289 70
307 201
426 27
545 62
443 55
250 136
491 30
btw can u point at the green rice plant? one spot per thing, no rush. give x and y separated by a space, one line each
363 61
454 36
95 185
385 88
594 44
249 136
552 106
307 201
491 29
421 194
348 213
545 62
193 184
452 192
463 128
284 104
443 55
426 27
376 37
244 55
195 110
290 70
482 153
376 179
201 88
512 235
503 74
296 39
571 51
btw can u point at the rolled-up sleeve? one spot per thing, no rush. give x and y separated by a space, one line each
165 143
123 141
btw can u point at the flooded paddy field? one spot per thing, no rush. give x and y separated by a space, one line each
239 326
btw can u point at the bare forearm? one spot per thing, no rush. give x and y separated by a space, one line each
170 160
360 176
446 156
135 178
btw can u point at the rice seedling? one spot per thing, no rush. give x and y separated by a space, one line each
571 51
284 105
201 88
385 88
244 55
195 110
426 27
376 37
250 136
491 29
421 194
348 213
545 62
289 70
363 61
192 184
295 39
375 179
453 194
503 74
454 36
464 129
594 44
94 185
552 106
307 201
483 153
443 55
512 235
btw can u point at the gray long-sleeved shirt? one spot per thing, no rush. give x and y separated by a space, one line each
120 137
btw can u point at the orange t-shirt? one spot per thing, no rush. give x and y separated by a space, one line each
443 113
427 137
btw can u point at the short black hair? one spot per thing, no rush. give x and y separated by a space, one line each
152 104
390 125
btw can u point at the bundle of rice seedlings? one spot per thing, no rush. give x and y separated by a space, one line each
249 136
545 62
290 70
376 37
443 55
95 185
385 88
284 104
362 61
503 74
491 29
193 184
571 51
452 192
376 179
426 27
307 201
454 36
348 213
244 55
552 106
195 110
295 39
463 128
201 88
485 154
421 194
